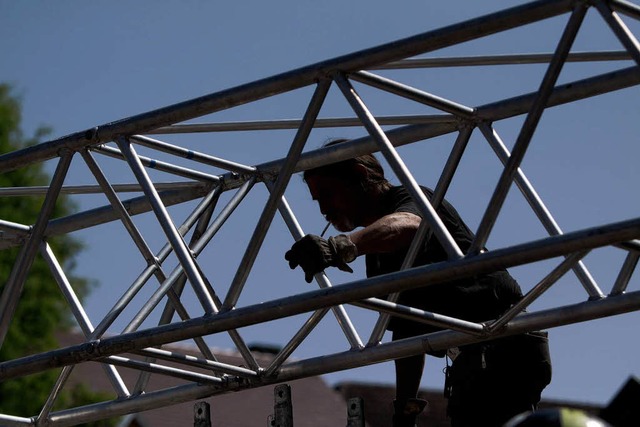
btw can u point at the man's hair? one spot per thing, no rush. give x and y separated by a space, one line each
373 181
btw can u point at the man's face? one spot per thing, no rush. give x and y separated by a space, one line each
338 201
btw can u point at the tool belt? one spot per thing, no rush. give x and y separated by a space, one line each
521 360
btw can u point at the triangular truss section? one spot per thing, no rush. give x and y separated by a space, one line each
195 305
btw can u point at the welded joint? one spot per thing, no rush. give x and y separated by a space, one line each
464 124
154 261
594 3
234 382
231 179
489 329
90 347
65 151
91 135
584 3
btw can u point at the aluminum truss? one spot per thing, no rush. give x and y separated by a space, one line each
205 375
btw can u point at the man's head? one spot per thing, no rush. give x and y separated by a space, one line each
348 191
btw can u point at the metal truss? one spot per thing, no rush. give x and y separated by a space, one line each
197 187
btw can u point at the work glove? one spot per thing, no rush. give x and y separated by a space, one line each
314 254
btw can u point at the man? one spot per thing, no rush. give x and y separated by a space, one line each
488 383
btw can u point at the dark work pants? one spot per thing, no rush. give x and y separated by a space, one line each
489 383
487 402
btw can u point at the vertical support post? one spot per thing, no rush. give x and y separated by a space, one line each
283 406
355 412
202 414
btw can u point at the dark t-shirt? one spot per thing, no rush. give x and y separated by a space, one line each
476 299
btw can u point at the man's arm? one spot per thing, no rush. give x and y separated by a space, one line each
387 234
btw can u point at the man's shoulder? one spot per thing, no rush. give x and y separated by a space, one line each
399 192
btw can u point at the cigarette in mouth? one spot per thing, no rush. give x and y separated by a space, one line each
325 229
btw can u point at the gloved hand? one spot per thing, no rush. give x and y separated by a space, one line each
314 254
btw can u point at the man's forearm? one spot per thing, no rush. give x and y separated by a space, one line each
387 234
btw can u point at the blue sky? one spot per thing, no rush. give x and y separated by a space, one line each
81 64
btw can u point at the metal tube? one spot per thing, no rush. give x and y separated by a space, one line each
15 282
159 165
453 161
179 246
241 346
295 79
123 302
347 360
193 155
504 109
65 287
496 111
421 316
443 340
438 196
516 59
289 306
295 123
133 232
356 147
134 206
15 227
555 275
428 213
574 91
528 128
419 132
631 245
111 195
204 216
284 176
323 282
11 421
196 362
93 189
414 94
626 7
135 404
55 392
620 29
629 266
78 312
164 370
198 247
538 206
146 274
297 339
224 215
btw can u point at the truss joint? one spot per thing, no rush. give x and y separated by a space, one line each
91 135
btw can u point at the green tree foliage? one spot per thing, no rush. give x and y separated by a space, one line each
41 311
